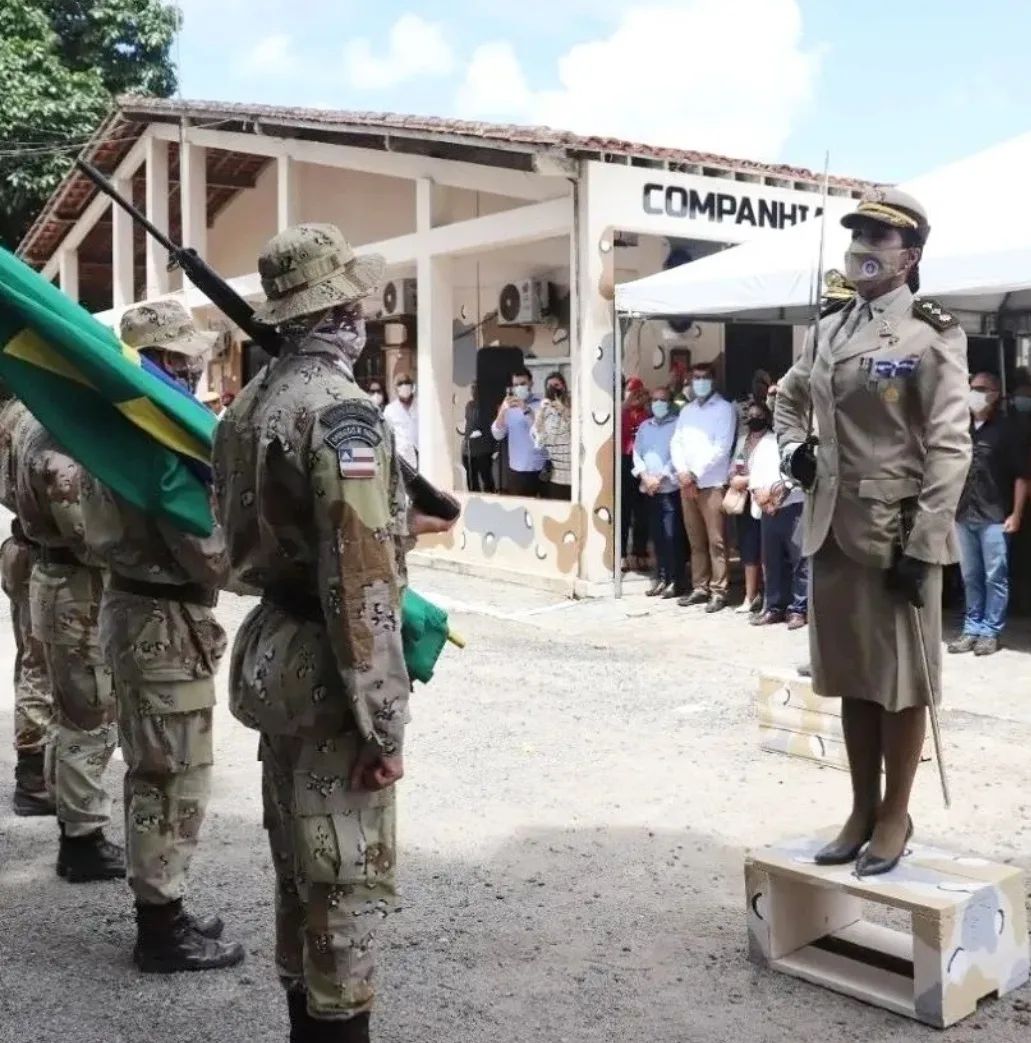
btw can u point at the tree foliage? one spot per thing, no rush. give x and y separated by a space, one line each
61 64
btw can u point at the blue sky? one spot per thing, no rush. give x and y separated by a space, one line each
892 89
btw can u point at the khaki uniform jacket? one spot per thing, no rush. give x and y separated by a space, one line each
890 407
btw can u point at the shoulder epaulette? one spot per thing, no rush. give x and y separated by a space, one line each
934 314
828 306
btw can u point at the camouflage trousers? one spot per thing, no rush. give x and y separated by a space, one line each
33 704
334 855
65 606
166 735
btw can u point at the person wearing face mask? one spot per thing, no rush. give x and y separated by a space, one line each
310 493
375 392
653 467
777 504
749 535
990 513
403 416
478 448
634 521
887 393
514 426
552 432
701 448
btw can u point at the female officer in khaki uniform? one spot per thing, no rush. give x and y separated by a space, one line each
887 390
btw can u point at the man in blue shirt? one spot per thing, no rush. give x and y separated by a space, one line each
653 464
514 424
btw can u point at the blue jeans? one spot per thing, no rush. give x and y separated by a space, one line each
983 552
785 569
667 523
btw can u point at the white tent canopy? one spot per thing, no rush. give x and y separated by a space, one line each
978 258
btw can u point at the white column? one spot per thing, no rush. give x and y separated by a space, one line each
286 192
122 289
68 272
157 212
193 187
434 364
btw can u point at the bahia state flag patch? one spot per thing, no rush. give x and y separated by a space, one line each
357 461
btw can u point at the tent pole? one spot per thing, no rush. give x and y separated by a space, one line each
617 456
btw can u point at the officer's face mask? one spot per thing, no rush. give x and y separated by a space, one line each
343 329
868 266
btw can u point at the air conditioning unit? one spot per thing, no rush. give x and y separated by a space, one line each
400 298
523 303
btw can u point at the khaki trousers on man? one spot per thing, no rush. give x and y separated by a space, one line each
704 521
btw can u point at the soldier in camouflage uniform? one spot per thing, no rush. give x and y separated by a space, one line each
310 497
33 704
65 590
163 644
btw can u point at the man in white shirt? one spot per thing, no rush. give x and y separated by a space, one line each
701 449
403 416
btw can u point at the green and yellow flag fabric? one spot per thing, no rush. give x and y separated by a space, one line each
111 409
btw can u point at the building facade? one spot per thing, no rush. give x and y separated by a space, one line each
504 245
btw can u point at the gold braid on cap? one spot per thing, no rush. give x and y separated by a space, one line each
893 216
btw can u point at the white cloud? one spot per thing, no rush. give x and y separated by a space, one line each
415 48
271 55
726 76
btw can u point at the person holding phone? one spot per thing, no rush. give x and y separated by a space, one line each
514 426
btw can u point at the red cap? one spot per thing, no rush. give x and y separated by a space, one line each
635 384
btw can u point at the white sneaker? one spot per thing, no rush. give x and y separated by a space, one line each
744 608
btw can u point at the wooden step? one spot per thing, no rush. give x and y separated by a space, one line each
968 937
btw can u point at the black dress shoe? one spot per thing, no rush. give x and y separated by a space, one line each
697 597
658 588
840 854
717 603
873 865
673 592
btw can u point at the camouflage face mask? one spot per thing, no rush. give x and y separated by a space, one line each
344 330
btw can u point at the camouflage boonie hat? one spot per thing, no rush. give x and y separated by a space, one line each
164 324
892 207
311 268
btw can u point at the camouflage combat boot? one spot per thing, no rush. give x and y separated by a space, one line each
306 1029
169 940
30 790
82 860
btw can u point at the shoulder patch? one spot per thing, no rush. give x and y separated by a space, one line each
351 423
934 314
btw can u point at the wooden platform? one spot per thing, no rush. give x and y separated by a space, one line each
793 720
968 938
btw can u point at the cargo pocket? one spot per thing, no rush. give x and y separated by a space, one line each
170 725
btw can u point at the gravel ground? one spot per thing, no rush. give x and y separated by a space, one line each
582 783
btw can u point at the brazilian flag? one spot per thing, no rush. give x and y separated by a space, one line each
119 416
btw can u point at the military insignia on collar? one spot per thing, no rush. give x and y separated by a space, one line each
934 314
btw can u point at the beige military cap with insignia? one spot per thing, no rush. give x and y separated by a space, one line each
164 324
311 268
892 207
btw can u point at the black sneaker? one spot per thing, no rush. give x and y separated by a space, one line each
964 643
697 597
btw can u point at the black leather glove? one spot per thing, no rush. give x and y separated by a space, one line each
906 578
803 464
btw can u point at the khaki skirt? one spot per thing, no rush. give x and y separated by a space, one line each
863 638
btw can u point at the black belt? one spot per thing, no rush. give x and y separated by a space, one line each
295 602
189 593
57 556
